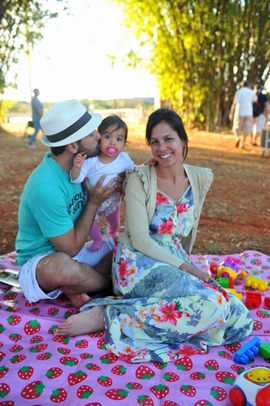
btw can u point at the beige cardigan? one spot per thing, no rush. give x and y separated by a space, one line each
141 189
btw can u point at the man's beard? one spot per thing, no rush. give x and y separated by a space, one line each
89 152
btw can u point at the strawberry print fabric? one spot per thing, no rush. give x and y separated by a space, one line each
37 368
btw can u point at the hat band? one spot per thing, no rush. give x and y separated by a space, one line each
71 129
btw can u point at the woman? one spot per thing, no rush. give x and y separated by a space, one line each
165 306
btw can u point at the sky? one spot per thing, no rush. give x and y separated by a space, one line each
71 61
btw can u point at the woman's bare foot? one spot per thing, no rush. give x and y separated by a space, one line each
78 299
86 322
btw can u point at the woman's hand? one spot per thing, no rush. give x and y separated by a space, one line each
152 162
205 277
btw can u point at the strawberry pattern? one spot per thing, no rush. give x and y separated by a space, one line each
38 368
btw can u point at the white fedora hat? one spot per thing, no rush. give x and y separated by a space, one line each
66 122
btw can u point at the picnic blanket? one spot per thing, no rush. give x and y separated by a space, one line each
38 368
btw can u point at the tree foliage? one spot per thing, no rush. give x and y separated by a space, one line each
201 50
21 24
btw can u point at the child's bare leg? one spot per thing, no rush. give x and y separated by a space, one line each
86 322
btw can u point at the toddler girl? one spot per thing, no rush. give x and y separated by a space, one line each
110 161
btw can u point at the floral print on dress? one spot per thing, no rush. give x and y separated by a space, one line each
162 313
173 217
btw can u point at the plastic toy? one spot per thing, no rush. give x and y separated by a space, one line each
225 282
267 301
253 300
213 269
236 294
226 271
251 388
256 283
264 350
233 263
248 351
242 274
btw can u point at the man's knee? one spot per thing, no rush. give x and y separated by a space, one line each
54 261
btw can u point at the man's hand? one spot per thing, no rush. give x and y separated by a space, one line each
97 195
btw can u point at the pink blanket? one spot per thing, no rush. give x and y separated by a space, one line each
37 368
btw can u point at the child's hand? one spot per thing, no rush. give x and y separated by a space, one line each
79 160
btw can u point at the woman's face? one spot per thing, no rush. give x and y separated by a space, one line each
166 145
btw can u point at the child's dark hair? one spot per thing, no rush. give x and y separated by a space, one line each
115 121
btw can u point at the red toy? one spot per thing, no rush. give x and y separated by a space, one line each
251 388
253 300
267 301
213 269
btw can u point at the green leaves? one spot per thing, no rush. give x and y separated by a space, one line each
199 51
21 24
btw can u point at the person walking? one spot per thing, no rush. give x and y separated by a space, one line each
260 121
241 113
37 113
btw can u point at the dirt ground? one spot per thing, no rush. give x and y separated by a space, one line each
236 213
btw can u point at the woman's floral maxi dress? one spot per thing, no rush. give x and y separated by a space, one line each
161 312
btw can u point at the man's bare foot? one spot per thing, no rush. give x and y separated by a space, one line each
78 299
87 322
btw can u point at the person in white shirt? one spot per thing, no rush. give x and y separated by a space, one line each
241 113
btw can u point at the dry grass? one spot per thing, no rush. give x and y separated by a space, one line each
236 213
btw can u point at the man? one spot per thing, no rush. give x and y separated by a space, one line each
37 113
54 219
259 122
241 113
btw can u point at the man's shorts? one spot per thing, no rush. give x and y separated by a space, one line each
259 123
243 123
27 274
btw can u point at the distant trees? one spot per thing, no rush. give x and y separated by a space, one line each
21 23
201 50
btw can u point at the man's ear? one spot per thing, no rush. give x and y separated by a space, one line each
72 148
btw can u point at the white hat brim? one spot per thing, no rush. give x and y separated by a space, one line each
87 129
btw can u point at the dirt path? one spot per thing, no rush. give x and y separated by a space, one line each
236 213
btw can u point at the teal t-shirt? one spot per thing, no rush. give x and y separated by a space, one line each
50 205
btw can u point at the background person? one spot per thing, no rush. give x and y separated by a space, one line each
241 113
37 113
53 218
260 121
165 306
110 161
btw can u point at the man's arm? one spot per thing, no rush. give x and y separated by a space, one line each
73 241
232 112
37 106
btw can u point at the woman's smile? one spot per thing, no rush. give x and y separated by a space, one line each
166 156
